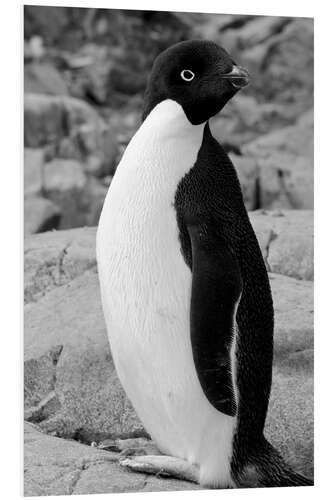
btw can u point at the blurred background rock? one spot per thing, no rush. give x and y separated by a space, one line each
85 72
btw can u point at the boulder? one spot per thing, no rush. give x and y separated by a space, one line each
96 196
65 185
281 65
295 139
40 215
289 425
248 175
245 118
43 120
286 181
80 197
93 404
259 29
287 62
69 128
285 163
33 171
54 466
54 258
43 78
286 241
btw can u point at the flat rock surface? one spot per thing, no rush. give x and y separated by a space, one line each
54 258
286 241
56 466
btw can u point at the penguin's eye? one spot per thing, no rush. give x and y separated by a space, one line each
187 75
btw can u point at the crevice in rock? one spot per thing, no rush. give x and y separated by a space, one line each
283 188
270 45
49 224
272 236
43 410
76 479
145 481
87 436
230 147
55 353
257 194
236 23
50 403
61 258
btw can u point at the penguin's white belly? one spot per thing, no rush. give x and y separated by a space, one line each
146 293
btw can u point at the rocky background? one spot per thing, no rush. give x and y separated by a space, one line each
84 75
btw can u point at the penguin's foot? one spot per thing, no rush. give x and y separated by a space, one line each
130 447
162 465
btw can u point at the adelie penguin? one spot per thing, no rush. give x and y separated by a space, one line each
185 292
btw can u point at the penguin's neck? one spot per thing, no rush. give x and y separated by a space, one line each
168 119
164 148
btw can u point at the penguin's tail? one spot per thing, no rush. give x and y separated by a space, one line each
272 471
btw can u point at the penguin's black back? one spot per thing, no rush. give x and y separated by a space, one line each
210 192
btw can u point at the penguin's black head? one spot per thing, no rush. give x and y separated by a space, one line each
197 74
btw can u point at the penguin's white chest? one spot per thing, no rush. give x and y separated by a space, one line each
146 289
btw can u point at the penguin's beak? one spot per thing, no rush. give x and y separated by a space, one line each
239 77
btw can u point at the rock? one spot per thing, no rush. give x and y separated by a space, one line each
65 185
285 162
54 258
68 192
282 65
289 425
80 197
53 466
34 49
33 171
99 147
293 309
40 215
286 241
70 128
39 378
93 404
96 193
286 181
260 28
43 120
296 140
248 174
244 119
46 21
43 78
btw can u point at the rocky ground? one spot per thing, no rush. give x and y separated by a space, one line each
72 395
84 82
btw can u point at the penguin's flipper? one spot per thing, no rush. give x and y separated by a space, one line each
216 290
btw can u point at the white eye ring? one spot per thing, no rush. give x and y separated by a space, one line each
187 75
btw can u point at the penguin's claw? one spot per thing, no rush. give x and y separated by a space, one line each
129 447
131 452
162 465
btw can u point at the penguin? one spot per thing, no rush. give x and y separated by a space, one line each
184 288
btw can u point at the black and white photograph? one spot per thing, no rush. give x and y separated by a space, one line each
168 166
